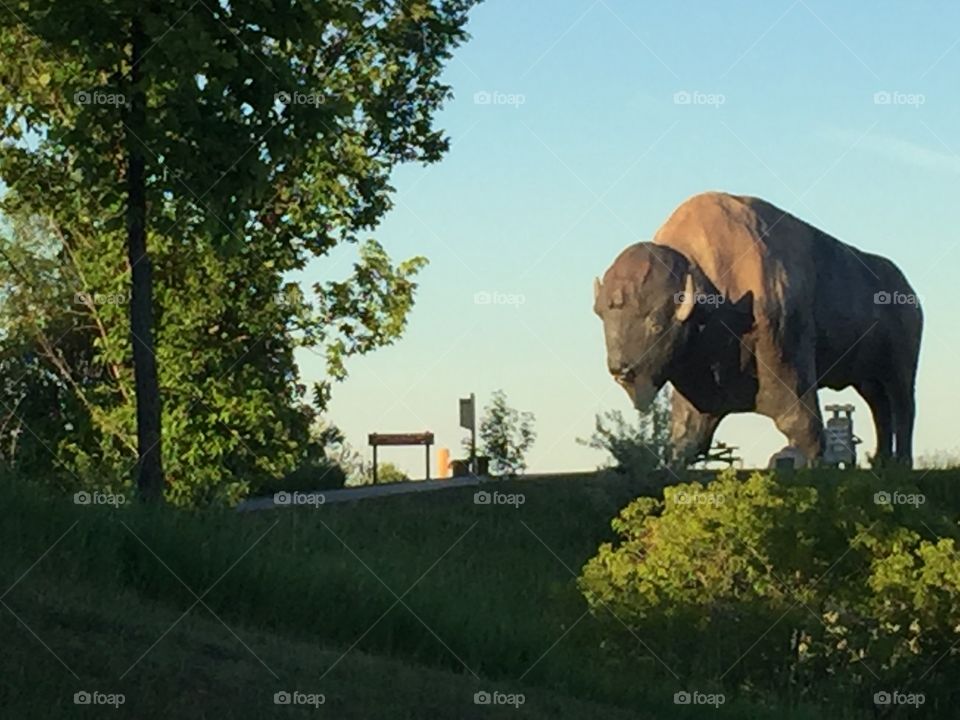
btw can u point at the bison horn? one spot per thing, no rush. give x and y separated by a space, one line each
689 300
596 288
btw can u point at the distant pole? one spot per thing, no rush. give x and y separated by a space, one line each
473 433
428 460
468 419
374 464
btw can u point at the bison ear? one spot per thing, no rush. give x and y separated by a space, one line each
685 308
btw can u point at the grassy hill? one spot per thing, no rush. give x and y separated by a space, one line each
200 670
395 608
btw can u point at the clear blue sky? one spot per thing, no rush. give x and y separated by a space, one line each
591 153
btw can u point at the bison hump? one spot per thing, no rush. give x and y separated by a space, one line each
744 245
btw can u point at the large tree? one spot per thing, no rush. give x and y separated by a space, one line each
214 122
67 415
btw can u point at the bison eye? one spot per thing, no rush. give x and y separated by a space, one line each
653 326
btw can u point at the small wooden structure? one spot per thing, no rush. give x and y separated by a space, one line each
378 439
721 453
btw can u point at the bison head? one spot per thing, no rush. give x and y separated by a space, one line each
646 300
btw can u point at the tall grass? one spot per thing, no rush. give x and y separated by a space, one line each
431 578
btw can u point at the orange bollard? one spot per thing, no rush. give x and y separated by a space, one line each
443 463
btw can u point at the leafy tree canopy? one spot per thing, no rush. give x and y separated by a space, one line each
269 135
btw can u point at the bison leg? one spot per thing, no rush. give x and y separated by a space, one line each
875 395
802 424
789 396
904 408
691 431
879 401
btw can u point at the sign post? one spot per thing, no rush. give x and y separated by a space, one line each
468 420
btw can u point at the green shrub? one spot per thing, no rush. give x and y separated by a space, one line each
388 472
803 585
506 436
640 450
320 474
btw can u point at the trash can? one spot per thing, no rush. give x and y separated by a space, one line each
443 463
459 468
483 465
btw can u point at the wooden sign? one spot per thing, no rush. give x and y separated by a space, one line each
468 413
400 438
378 439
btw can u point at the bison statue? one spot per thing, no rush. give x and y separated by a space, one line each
743 307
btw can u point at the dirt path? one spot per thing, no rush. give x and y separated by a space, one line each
364 492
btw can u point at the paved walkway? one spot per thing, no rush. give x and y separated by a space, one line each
363 492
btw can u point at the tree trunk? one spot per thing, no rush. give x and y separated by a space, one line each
149 466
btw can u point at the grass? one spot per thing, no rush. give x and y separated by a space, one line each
432 596
199 670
